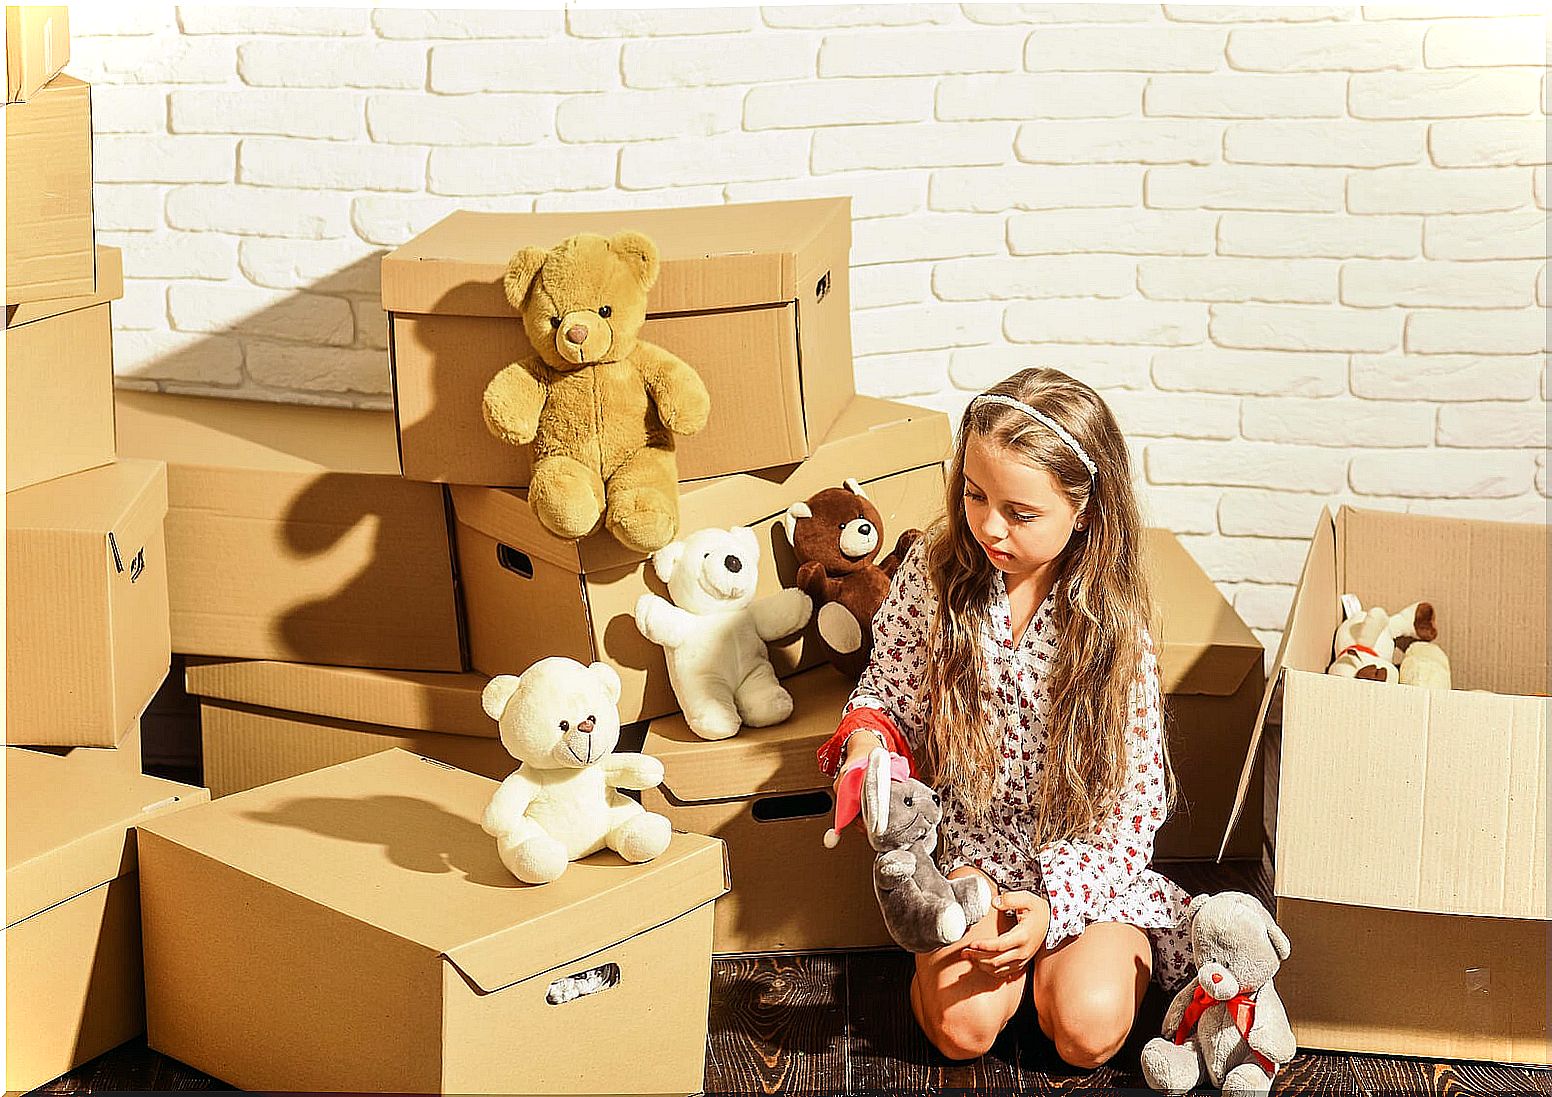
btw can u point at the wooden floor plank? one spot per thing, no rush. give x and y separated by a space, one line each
1316 1072
886 1051
777 1025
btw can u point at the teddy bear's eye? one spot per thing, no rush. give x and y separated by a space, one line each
590 719
907 801
605 311
555 321
565 725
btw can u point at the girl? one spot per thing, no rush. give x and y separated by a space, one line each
1012 660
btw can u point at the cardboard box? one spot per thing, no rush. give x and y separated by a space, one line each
761 792
72 920
49 244
86 630
264 721
59 381
585 592
37 46
353 929
293 537
1411 824
754 297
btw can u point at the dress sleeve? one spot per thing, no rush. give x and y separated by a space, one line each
1085 875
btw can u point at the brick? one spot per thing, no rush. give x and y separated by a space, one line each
296 317
836 102
142 308
1497 425
1147 142
918 52
390 220
1266 13
1541 286
896 376
125 21
884 284
911 145
258 211
645 115
223 19
1443 11
1521 234
1488 142
156 60
1182 509
925 236
1486 42
1347 424
1351 47
1529 509
177 356
281 112
1274 281
279 162
320 369
463 67
307 63
1539 187
872 193
1021 96
1248 464
492 171
1541 474
1263 606
1250 373
126 108
169 255
1243 95
421 119
1441 94
1445 377
1316 235
1002 278
651 22
1439 474
1251 512
421 23
1124 49
1232 187
128 207
725 158
124 158
1477 331
914 328
371 324
325 266
573 201
698 62
1325 144
1007 14
1379 283
1130 232
1428 190
1304 327
1249 559
1079 321
1034 186
815 17
1099 367
1155 415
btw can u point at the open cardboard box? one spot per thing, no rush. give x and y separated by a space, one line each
1411 824
50 243
754 297
37 46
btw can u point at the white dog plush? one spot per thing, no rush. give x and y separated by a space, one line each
714 633
560 720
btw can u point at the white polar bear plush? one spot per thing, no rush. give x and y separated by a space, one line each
560 720
714 633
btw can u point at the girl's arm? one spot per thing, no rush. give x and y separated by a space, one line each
1083 874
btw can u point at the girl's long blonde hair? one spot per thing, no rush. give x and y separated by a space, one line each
1102 606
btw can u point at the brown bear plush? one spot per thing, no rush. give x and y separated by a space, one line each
599 405
836 534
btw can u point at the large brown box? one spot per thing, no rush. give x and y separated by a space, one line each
72 919
49 243
1411 824
514 572
293 537
86 628
353 929
59 381
37 46
264 721
754 297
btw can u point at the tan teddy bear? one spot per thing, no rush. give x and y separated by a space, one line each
599 405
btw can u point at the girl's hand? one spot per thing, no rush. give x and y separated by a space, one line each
861 743
1009 953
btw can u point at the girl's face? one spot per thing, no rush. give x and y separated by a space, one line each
1015 510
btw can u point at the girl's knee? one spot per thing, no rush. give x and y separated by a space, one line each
961 1029
1089 1025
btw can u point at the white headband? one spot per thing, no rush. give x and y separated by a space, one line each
1044 419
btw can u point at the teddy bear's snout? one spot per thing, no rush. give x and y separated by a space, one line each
733 563
1218 981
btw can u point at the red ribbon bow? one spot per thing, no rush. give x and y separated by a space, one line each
1242 1011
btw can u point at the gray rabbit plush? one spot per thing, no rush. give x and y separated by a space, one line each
923 910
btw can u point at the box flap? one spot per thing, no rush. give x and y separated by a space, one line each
397 825
37 45
1204 647
713 257
443 702
108 499
757 761
67 819
873 438
254 434
110 287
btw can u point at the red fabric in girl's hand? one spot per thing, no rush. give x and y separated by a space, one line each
869 719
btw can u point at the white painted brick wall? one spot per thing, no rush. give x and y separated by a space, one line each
1301 249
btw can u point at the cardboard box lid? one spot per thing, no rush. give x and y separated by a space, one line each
873 438
713 257
110 287
438 701
757 761
394 840
115 500
1204 646
67 818
254 434
37 45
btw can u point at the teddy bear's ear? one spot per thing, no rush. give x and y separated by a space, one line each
666 559
521 269
795 512
854 487
1194 907
1279 939
609 677
498 691
639 253
747 538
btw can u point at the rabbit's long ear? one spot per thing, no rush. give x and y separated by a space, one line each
875 793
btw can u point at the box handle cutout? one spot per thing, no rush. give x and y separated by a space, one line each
583 983
113 547
137 566
516 562
798 805
822 287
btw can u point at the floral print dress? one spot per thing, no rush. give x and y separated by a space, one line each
1105 876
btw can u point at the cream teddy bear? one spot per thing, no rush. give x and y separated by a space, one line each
560 720
714 632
